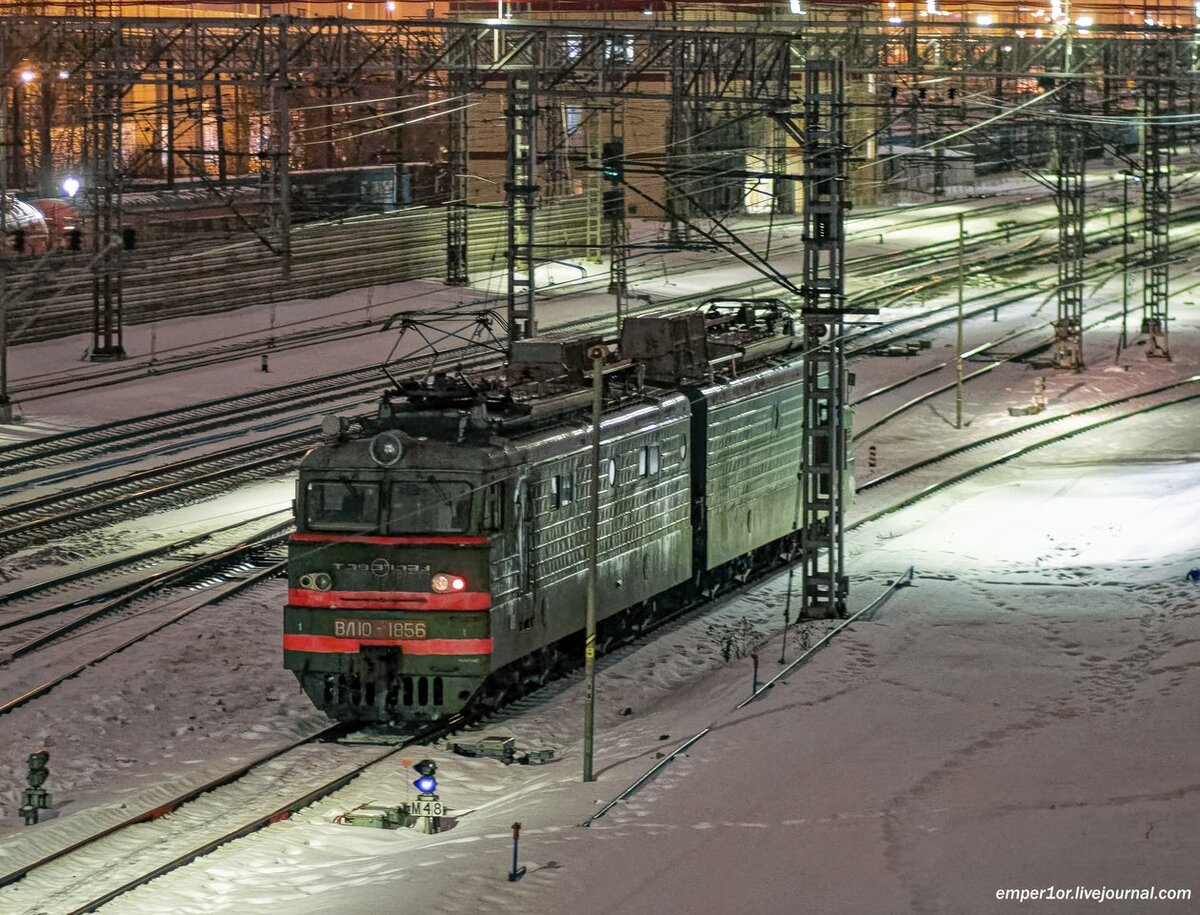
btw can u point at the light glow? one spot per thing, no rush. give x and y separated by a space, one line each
70 186
28 76
426 784
441 583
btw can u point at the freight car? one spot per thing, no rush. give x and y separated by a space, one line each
440 553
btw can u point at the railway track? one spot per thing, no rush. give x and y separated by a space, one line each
33 632
79 875
257 562
100 863
35 520
1025 441
55 384
321 391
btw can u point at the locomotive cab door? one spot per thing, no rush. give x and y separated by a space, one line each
523 518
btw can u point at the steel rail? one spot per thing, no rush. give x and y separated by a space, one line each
232 589
249 406
275 344
161 810
1009 433
263 820
103 568
229 556
865 613
979 373
1013 455
41 524
683 747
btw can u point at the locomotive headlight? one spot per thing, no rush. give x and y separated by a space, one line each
442 583
320 581
386 449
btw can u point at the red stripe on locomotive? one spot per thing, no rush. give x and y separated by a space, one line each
327 644
389 600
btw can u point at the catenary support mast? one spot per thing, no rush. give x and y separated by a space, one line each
520 187
824 477
1156 199
1069 199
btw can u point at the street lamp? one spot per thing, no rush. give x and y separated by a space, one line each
70 185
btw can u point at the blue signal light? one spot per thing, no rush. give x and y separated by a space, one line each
426 784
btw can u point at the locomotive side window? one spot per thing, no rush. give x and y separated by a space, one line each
608 473
493 511
562 490
342 506
424 506
648 461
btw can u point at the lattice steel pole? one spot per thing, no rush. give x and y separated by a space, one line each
680 128
104 128
6 412
1069 199
458 156
520 187
280 156
614 217
824 473
1156 199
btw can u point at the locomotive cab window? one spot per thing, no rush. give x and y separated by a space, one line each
342 505
429 506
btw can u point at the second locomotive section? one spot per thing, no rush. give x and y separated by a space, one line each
442 556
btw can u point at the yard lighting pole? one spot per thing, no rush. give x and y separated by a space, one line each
1124 340
597 354
958 359
6 413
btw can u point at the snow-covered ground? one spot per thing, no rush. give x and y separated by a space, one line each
1022 717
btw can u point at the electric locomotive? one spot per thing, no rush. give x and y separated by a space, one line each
440 553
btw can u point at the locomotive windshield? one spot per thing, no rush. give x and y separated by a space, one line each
422 506
342 506
413 506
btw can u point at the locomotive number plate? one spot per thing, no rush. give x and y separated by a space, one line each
380 629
